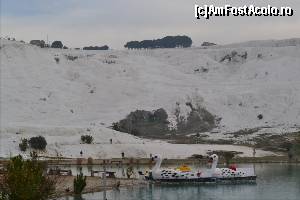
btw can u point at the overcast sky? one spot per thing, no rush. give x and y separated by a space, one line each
80 23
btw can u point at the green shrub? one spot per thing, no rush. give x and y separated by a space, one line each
228 156
24 144
87 139
197 156
144 123
79 183
115 126
38 143
56 60
26 180
57 44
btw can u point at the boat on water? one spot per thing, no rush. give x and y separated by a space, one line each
210 175
232 173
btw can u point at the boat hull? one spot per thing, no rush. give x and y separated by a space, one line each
195 180
248 179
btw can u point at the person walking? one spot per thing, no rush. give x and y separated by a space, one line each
254 151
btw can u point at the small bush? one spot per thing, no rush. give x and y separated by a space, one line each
79 183
260 116
105 47
197 156
38 143
39 43
228 156
70 57
56 60
23 145
26 180
116 126
203 69
259 55
87 139
57 44
109 61
207 44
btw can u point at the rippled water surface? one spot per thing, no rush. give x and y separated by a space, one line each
274 182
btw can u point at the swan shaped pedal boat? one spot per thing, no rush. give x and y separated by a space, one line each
232 173
185 174
181 174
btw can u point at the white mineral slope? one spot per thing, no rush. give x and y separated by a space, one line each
65 142
267 43
62 100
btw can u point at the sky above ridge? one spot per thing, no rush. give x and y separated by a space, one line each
79 23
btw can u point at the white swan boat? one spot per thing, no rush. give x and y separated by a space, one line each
231 173
177 175
212 174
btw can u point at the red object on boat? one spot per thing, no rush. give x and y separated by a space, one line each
232 167
199 174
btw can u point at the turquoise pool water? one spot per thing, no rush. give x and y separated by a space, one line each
274 182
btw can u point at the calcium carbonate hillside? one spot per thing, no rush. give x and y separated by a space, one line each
62 94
